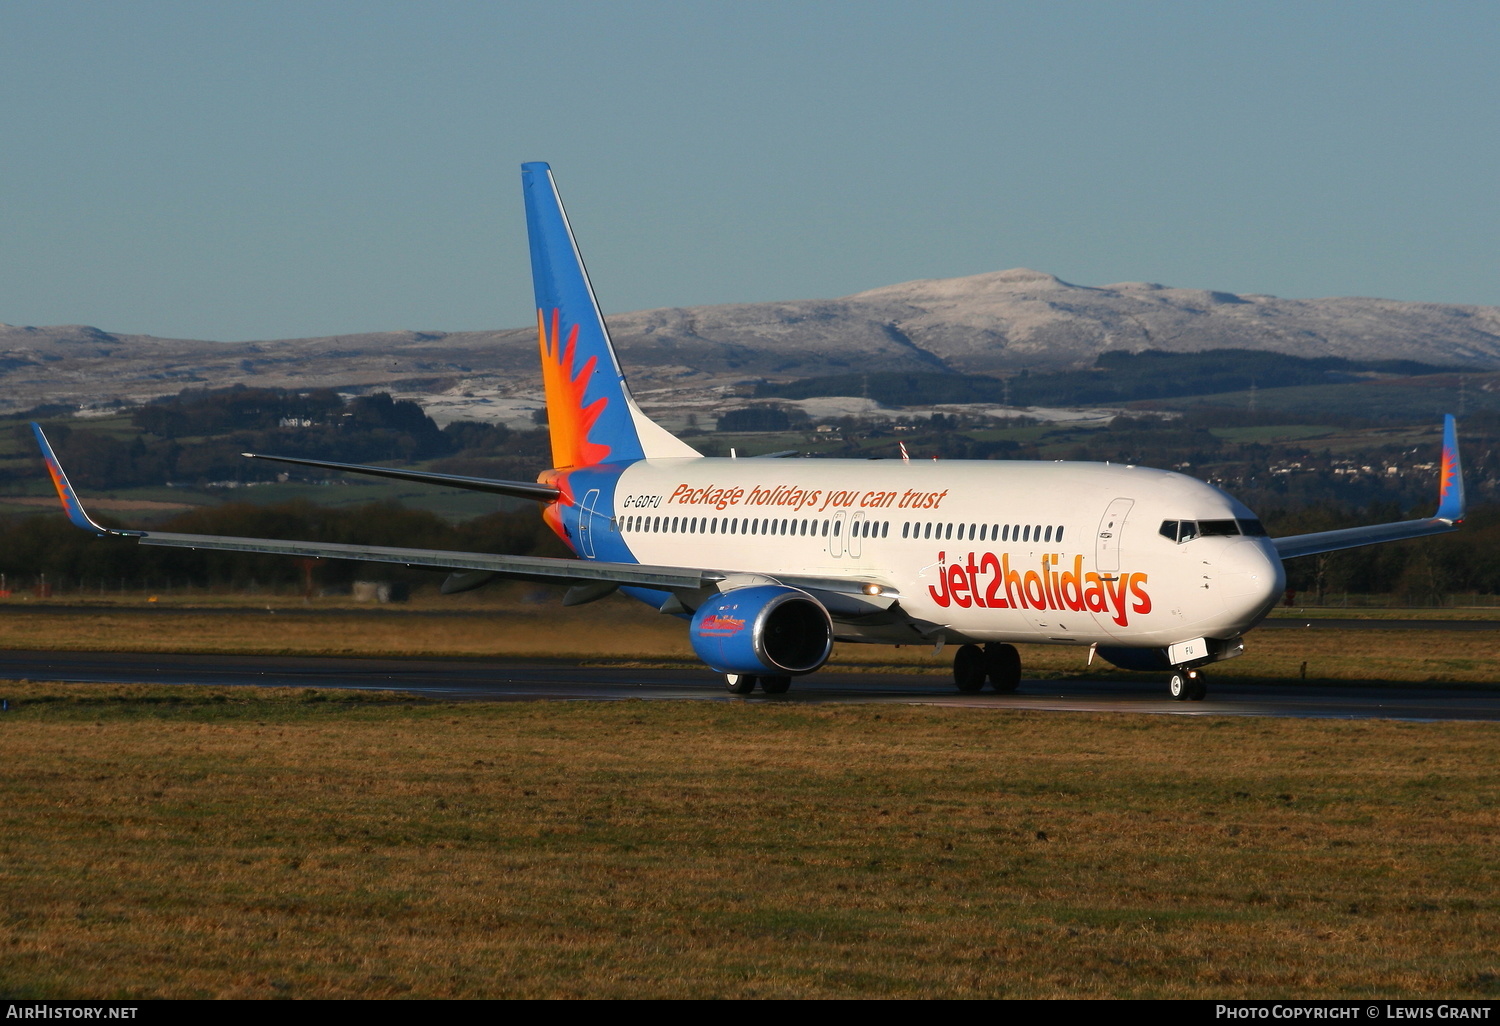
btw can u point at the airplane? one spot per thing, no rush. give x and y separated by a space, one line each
773 561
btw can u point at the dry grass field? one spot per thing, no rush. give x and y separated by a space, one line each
179 842
254 843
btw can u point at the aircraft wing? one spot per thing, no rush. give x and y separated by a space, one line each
844 596
519 489
1449 515
534 568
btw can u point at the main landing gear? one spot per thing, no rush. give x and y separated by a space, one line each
999 664
1187 686
744 683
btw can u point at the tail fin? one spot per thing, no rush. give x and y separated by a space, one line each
591 413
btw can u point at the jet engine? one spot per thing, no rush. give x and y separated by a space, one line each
765 630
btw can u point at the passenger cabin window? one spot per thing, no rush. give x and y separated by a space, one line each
993 533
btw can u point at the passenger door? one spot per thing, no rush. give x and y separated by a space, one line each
586 523
1107 548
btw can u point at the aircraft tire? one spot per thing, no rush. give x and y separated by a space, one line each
969 668
775 685
1002 665
741 683
1178 686
1197 687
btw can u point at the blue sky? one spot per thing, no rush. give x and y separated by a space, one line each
267 170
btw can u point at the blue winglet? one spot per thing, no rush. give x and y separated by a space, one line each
1451 476
70 504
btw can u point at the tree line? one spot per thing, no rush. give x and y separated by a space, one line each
196 437
1117 377
32 545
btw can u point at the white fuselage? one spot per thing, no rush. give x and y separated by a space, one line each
1068 553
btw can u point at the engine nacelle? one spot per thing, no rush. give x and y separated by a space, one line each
766 630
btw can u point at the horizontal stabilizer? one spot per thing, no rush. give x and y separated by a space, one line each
518 489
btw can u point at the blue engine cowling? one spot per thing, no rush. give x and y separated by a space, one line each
767 630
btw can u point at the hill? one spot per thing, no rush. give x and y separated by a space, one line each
995 324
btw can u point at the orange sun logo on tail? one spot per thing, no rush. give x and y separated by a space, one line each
567 417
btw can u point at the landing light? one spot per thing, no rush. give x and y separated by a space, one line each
872 589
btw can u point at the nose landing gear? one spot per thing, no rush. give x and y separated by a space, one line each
1187 686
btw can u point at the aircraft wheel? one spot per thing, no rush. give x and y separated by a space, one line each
740 683
775 685
1003 667
1197 686
1178 686
968 668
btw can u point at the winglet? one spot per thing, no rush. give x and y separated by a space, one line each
70 504
1451 476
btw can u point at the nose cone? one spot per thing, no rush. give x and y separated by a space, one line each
1251 580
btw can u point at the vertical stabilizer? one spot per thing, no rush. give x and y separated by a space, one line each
590 411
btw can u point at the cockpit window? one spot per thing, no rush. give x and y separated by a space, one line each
1179 530
1186 530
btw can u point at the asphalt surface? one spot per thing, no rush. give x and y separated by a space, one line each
1328 624
465 680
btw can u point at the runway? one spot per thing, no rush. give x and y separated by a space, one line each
499 681
1334 624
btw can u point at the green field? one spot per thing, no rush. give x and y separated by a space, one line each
1427 396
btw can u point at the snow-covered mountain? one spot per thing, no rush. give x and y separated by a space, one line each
994 323
1002 322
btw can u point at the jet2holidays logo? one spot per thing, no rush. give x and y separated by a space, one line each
990 581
